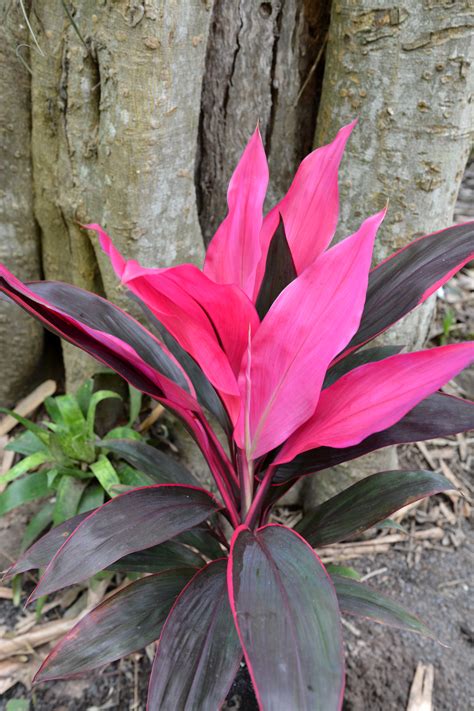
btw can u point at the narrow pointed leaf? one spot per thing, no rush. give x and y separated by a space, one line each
357 599
41 552
130 522
375 396
37 524
408 277
199 639
439 415
285 609
101 315
205 392
68 495
354 360
124 623
189 305
92 498
367 502
234 252
279 271
161 468
158 558
316 314
33 461
105 347
27 488
105 474
310 208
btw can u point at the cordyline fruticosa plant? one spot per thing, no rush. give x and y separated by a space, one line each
267 338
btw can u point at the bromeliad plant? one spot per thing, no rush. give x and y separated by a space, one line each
268 338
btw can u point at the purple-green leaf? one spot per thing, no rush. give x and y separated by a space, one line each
166 556
409 276
357 599
286 611
157 465
199 650
124 623
438 416
130 522
367 502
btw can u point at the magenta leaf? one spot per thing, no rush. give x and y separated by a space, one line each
438 416
310 208
286 611
279 271
409 276
124 623
234 251
316 314
199 651
367 502
355 359
130 522
375 396
357 599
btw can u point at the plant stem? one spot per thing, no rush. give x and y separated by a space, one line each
256 507
246 485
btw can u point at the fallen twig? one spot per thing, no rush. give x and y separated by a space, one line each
421 691
28 405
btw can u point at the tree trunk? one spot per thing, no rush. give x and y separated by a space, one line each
406 72
20 336
115 118
264 63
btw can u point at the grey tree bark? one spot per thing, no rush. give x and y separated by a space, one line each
406 71
115 117
20 336
264 63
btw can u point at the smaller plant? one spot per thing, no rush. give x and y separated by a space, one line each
63 458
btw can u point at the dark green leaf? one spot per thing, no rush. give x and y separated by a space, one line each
30 426
358 599
280 270
161 468
40 521
199 650
128 523
28 488
124 623
288 618
41 552
157 558
135 404
92 498
366 503
344 570
26 443
68 495
84 394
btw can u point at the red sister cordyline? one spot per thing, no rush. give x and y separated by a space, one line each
267 338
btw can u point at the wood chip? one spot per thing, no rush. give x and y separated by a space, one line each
347 551
28 405
41 634
154 415
6 593
421 692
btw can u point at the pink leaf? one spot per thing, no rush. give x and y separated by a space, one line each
234 251
376 396
308 324
190 306
310 208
